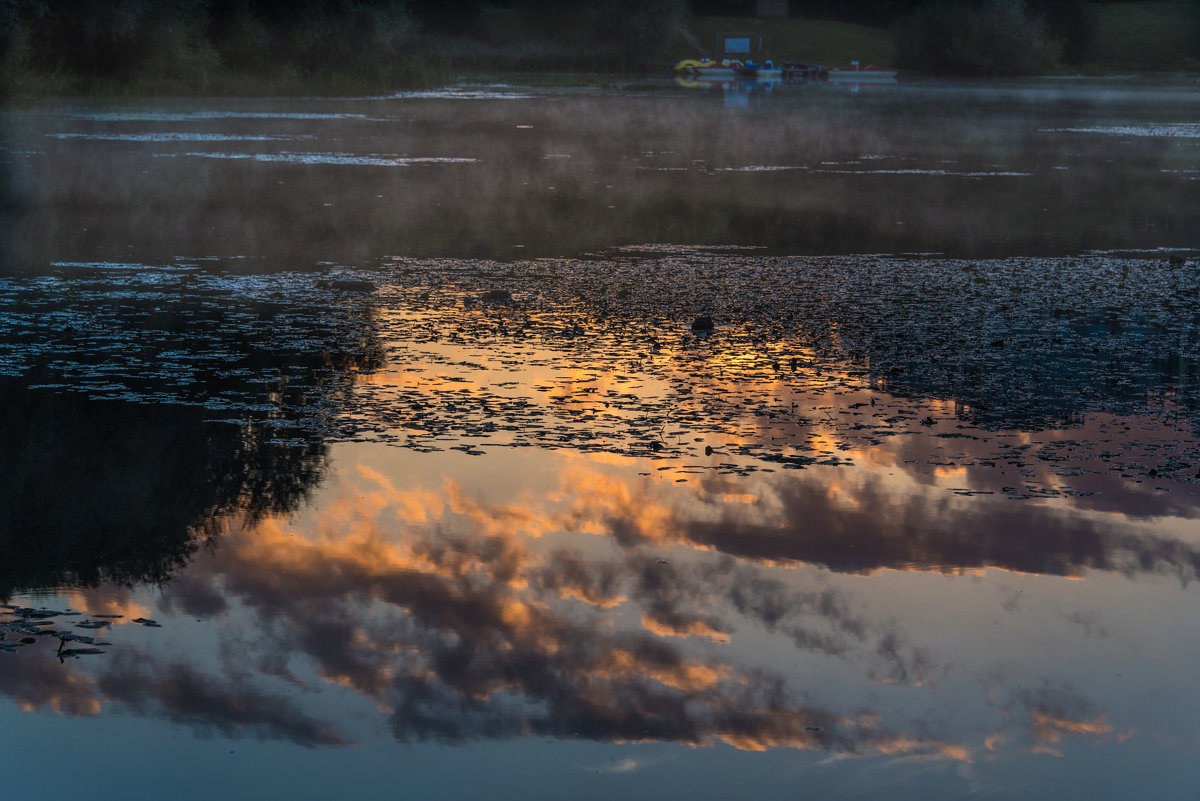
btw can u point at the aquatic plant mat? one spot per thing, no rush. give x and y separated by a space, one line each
809 360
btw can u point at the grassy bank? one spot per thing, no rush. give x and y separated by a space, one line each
1129 37
797 39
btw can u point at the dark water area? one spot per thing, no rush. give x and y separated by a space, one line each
772 441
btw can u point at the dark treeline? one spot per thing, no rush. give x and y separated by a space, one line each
371 40
119 492
1068 22
197 42
187 39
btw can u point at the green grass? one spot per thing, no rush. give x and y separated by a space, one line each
1146 36
797 39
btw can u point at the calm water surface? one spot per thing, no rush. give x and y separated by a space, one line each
366 446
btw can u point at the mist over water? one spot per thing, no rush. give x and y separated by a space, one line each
971 172
771 440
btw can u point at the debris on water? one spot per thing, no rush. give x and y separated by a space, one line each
75 652
817 355
39 623
147 622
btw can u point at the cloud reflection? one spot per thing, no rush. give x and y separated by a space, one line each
598 608
460 628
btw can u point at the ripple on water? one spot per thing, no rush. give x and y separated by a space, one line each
151 115
176 137
339 159
491 92
831 168
1183 130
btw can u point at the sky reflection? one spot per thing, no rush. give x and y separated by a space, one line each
592 605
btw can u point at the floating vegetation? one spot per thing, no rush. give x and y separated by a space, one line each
36 624
814 360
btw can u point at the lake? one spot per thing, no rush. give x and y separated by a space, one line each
642 442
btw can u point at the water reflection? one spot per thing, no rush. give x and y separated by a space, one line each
110 491
925 511
867 364
460 618
143 400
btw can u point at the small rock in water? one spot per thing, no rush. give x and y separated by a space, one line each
147 622
704 323
497 294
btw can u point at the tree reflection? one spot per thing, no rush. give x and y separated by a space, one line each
112 491
152 400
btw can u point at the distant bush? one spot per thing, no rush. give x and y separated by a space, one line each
984 37
635 31
171 44
1071 22
1196 31
616 34
112 37
310 36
